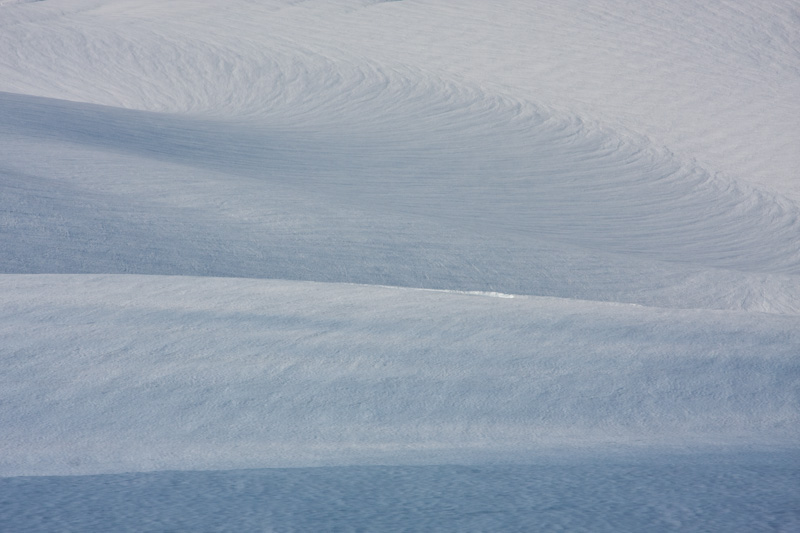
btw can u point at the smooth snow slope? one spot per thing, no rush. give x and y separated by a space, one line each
629 170
154 373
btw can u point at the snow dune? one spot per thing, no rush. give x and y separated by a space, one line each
153 373
448 191
267 234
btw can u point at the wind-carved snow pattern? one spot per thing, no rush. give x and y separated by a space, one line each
472 190
436 249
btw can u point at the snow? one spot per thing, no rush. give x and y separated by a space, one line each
605 496
296 234
276 373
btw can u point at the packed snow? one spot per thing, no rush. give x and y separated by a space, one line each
286 255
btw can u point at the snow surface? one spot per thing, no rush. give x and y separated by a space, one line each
591 496
311 233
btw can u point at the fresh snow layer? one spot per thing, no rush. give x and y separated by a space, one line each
132 373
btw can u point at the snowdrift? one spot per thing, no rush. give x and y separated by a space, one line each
155 373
